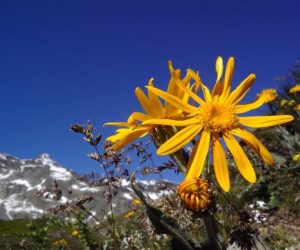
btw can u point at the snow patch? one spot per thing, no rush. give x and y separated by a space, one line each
64 199
127 196
153 196
148 183
157 195
5 176
85 188
59 173
124 183
45 159
21 182
38 186
16 206
3 157
28 166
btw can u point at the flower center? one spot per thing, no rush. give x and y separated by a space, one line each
194 194
218 118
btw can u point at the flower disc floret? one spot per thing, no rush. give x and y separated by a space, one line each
218 118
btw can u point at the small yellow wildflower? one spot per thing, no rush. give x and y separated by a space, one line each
269 94
296 157
291 103
297 107
194 194
129 214
295 89
136 202
283 102
61 242
75 233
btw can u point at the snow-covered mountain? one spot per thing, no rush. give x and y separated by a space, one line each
28 188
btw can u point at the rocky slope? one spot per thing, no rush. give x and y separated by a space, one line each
28 188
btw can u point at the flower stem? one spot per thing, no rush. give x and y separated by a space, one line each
161 135
211 230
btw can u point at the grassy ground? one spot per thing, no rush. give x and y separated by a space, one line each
37 234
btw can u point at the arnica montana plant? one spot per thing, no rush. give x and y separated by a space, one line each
214 120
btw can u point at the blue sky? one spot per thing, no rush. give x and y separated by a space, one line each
64 62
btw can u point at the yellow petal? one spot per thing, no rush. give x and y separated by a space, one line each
241 160
190 93
217 90
196 77
120 134
120 124
179 140
154 100
175 74
124 130
237 95
264 121
255 144
145 103
197 159
220 165
114 138
172 88
228 78
219 68
186 83
243 108
170 122
137 116
195 88
134 134
173 100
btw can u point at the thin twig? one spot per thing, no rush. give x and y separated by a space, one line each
109 188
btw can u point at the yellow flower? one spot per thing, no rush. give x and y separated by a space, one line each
295 89
297 107
61 242
129 214
154 109
283 102
217 117
194 194
269 94
75 233
291 102
136 202
296 157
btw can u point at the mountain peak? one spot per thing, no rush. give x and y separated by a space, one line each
44 156
45 159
